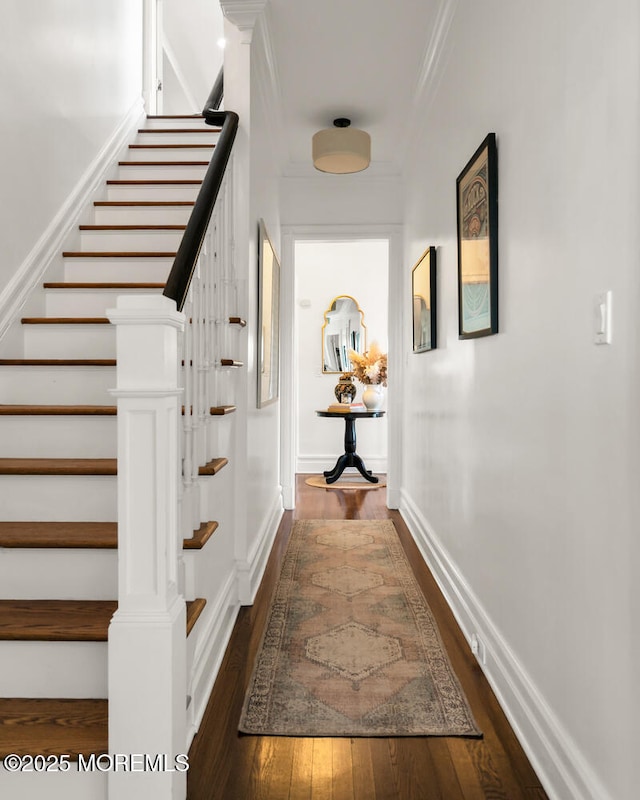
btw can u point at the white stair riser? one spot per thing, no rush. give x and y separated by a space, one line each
65 574
53 669
182 137
69 341
52 574
59 498
58 436
130 172
130 241
118 270
169 153
142 215
69 302
68 785
163 191
186 121
57 385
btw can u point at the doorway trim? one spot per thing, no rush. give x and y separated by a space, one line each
288 443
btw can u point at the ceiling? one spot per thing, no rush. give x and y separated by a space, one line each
361 59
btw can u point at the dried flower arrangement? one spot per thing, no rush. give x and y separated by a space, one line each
370 367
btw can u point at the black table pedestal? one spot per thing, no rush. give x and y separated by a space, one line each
349 458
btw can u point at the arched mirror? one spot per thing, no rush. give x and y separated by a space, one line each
343 330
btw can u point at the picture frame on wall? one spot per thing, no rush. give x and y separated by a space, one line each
424 297
477 215
268 366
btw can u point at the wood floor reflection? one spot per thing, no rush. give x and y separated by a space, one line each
225 765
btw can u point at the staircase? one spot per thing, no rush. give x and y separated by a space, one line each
58 465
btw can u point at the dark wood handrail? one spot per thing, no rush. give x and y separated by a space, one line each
184 265
215 95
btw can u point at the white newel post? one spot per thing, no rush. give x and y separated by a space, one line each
147 635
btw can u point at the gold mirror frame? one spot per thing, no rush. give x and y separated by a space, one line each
335 360
268 319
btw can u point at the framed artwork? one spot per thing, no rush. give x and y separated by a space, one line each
268 319
477 205
423 291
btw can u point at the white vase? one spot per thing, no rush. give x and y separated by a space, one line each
373 396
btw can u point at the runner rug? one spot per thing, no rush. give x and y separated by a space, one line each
351 647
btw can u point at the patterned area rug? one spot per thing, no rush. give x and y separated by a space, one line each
351 647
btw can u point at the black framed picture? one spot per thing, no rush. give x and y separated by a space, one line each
477 208
423 291
268 319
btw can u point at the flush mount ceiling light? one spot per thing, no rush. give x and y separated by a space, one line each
341 149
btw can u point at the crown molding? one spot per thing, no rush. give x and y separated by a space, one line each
243 13
430 68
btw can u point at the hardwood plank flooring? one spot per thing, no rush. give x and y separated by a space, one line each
225 765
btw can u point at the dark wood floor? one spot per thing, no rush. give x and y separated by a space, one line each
227 766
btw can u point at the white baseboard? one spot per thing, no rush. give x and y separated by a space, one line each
394 497
561 767
313 464
250 572
49 246
211 648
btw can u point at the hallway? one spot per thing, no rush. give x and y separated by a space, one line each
227 766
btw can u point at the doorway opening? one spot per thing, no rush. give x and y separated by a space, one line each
327 269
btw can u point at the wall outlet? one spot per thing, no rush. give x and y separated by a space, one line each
478 649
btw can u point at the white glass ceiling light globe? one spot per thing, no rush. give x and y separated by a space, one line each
341 149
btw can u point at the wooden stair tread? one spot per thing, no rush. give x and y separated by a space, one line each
103 285
171 145
200 537
65 321
27 410
132 227
218 411
143 203
81 535
213 467
38 411
163 163
64 535
116 254
56 620
57 362
194 609
53 726
158 182
179 130
58 466
67 620
194 116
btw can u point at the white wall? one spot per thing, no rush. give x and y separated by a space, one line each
259 498
70 70
339 200
520 448
192 29
325 270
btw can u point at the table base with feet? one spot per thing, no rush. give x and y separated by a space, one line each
349 458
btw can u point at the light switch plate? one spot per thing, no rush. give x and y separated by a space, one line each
602 318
